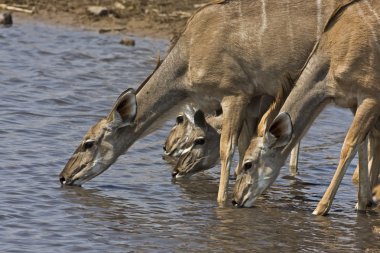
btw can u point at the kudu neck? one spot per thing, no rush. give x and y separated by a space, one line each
308 98
162 96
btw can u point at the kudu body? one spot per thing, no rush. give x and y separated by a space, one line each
229 53
344 69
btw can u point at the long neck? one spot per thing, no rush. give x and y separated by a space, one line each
307 99
161 96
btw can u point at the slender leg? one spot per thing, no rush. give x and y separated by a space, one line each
355 176
293 165
373 150
364 193
365 117
362 148
373 154
233 115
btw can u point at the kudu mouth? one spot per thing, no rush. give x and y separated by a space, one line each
70 182
68 179
191 170
238 204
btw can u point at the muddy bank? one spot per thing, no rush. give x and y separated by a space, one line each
154 18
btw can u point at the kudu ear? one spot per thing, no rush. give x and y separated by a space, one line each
189 112
280 131
124 111
199 119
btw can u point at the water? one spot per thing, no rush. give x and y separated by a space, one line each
56 82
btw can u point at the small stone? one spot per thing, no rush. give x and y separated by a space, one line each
128 42
98 10
119 6
6 19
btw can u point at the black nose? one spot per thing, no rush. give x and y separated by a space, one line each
234 203
62 179
164 147
175 173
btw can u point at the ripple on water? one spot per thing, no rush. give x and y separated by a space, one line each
61 82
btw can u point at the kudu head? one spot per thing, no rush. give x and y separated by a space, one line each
179 135
201 151
262 161
101 145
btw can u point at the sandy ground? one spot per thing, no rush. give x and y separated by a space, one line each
153 18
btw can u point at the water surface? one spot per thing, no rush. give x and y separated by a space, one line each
55 82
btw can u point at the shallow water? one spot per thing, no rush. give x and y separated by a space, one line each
56 82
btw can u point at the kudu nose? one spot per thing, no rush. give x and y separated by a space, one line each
234 203
62 179
175 173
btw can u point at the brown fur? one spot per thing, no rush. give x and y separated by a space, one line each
342 68
229 54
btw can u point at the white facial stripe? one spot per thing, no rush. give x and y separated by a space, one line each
89 172
185 151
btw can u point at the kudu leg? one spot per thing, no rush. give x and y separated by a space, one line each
373 149
293 164
233 115
364 119
366 145
374 155
364 192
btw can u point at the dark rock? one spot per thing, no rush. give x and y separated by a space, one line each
6 19
128 42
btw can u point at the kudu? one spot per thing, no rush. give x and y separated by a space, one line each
179 136
201 149
192 145
229 53
194 142
343 68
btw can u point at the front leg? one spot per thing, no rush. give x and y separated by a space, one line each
293 163
234 108
373 155
364 192
365 118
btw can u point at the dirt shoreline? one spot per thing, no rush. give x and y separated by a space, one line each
153 18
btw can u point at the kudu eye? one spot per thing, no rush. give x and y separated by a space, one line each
199 141
88 144
247 166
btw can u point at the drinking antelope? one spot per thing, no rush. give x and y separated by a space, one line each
180 136
229 53
193 142
343 68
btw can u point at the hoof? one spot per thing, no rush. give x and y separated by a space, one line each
321 211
